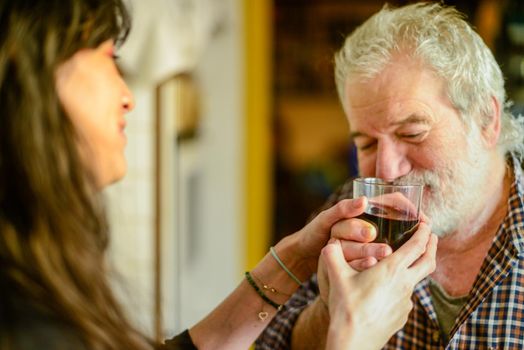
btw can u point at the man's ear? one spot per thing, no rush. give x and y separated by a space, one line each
491 129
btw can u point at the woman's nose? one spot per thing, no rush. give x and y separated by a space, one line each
128 101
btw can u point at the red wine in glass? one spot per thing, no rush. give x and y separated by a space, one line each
393 226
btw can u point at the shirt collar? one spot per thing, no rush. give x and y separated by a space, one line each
514 221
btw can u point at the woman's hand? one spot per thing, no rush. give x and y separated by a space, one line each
302 249
367 308
359 252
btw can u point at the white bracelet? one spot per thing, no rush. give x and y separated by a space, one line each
274 254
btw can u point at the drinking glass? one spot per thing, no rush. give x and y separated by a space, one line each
393 208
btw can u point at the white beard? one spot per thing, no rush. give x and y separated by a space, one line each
455 190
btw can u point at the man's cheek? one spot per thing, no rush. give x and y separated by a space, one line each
366 167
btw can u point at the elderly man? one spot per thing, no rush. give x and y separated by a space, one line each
425 100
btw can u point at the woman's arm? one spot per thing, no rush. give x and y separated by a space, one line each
242 316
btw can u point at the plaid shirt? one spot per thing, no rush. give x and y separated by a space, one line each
492 318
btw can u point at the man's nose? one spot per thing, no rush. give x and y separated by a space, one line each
392 161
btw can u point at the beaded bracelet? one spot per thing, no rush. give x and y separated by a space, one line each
267 288
284 267
261 293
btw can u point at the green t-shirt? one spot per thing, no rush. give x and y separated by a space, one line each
446 307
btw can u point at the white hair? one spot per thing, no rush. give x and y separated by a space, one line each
440 37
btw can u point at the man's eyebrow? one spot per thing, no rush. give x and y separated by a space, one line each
354 134
411 119
414 119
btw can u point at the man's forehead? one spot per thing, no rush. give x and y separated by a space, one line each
403 77
405 98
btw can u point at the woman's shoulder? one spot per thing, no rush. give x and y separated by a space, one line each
182 341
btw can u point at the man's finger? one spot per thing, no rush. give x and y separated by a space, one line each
355 250
363 264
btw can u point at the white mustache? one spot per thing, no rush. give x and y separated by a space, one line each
430 179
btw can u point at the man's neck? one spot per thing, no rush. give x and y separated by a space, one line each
461 253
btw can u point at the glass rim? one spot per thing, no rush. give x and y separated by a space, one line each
381 182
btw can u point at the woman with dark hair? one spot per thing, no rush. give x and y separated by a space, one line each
61 142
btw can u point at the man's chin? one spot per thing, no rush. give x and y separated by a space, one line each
443 227
442 233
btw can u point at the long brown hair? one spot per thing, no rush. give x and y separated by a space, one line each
53 232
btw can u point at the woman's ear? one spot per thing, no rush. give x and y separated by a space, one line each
492 125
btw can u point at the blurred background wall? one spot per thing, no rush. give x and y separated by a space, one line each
238 137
